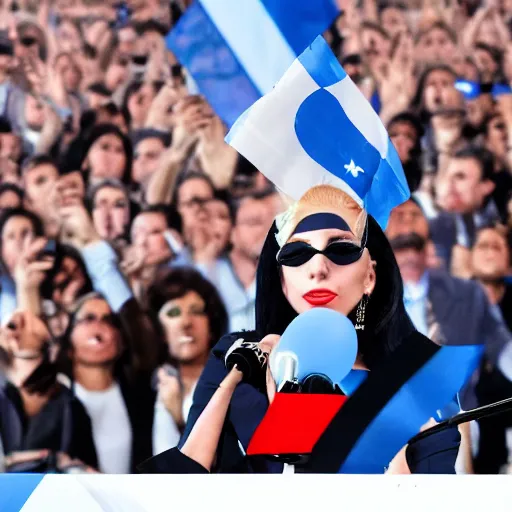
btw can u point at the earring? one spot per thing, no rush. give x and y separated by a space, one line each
361 311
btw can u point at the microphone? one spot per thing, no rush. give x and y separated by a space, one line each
321 343
318 347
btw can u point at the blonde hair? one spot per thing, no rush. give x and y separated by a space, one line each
322 199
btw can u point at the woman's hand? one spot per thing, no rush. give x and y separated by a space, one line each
170 393
267 344
31 269
77 227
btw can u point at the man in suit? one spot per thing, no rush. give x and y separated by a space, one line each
446 309
464 195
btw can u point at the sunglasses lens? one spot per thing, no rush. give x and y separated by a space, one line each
295 254
343 253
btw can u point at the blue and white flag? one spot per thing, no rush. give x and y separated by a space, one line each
315 127
236 50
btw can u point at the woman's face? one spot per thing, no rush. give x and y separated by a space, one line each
16 230
435 46
110 213
68 37
437 86
320 278
95 338
118 72
69 71
403 135
186 327
139 103
106 158
68 282
393 21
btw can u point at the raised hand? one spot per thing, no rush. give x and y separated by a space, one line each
31 267
77 227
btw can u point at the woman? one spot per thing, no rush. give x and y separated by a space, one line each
108 359
16 225
191 318
363 283
107 153
44 414
110 208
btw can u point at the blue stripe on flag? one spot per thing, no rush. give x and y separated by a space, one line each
431 389
389 187
321 64
329 137
254 39
15 490
301 21
201 48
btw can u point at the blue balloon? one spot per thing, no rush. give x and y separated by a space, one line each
321 341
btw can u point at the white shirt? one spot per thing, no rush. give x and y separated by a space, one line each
415 300
166 434
111 428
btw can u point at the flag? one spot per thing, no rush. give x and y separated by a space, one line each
316 127
237 50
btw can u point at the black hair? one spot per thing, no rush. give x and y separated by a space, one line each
150 133
62 252
386 321
483 156
9 213
193 175
417 102
413 169
37 160
260 195
174 283
99 88
371 25
150 25
439 24
5 125
225 197
99 131
495 53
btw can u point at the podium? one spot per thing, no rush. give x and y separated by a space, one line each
253 493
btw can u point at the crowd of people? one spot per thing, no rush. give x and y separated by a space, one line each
130 232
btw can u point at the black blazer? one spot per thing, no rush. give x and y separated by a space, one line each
436 454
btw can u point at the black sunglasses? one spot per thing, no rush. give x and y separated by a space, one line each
340 252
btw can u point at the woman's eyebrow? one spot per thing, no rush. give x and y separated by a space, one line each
344 236
296 239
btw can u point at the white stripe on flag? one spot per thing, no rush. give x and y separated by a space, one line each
280 156
254 38
361 114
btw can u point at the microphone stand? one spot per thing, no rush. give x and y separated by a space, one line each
475 414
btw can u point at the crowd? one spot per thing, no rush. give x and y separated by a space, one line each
130 231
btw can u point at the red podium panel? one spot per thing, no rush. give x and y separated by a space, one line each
294 423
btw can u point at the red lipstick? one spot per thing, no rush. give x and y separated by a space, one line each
320 297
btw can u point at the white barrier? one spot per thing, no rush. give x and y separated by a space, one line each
261 493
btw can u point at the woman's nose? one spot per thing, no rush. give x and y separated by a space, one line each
318 268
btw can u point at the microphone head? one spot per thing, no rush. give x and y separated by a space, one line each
318 342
